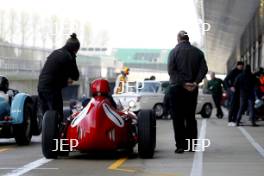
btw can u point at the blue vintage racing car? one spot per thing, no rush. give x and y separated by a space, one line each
20 115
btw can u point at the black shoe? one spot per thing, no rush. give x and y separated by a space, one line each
255 125
179 150
219 116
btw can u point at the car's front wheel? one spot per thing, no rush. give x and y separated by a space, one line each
50 134
207 110
146 134
158 111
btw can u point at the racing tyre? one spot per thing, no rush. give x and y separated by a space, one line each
146 134
37 116
158 111
23 131
49 133
207 110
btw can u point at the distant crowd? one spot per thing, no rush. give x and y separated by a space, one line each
245 91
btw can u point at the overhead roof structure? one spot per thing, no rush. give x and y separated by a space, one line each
228 20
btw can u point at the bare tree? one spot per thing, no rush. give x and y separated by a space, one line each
2 24
77 26
12 25
54 30
66 29
43 32
87 35
35 27
104 38
24 27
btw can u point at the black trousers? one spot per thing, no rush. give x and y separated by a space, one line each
247 102
234 106
166 103
217 100
183 106
51 100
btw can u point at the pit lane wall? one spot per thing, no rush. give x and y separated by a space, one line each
22 66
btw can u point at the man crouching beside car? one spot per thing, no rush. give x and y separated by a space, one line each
59 71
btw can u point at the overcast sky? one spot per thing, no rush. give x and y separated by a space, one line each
129 23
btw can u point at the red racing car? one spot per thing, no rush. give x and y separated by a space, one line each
99 126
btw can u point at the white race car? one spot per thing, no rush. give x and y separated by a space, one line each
151 96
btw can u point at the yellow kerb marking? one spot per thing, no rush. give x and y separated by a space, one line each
117 164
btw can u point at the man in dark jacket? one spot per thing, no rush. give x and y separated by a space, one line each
187 68
232 93
59 71
216 86
246 83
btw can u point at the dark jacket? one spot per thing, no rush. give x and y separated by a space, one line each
186 63
245 83
216 86
59 67
231 77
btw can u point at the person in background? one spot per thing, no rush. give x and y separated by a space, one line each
216 86
84 100
246 83
259 72
187 68
232 93
152 78
59 71
121 80
260 83
4 87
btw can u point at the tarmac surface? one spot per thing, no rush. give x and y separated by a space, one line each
235 151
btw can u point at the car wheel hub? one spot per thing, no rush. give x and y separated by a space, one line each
208 109
158 110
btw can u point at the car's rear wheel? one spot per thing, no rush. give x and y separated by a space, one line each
37 116
23 131
158 111
207 110
50 134
146 134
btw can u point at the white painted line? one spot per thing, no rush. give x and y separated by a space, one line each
252 141
40 168
197 167
28 167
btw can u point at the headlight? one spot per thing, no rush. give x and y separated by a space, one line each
131 104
